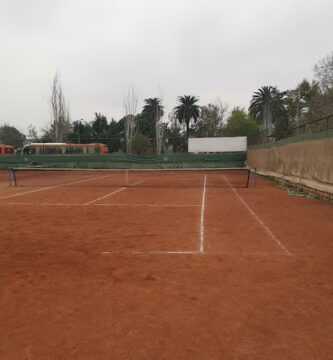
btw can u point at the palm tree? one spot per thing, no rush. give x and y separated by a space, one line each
266 105
152 113
187 110
153 108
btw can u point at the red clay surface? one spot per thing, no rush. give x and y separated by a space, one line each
151 273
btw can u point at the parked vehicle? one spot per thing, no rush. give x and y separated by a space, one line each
7 150
64 149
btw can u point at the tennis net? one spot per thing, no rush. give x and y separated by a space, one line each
187 178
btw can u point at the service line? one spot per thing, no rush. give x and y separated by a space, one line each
111 204
151 252
257 218
180 252
112 193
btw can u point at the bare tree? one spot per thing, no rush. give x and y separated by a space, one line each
32 133
223 108
159 129
59 111
131 105
323 71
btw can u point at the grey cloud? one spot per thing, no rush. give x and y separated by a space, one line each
207 48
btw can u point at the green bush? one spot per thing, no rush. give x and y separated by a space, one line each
141 145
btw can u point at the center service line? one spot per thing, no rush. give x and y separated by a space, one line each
112 193
202 216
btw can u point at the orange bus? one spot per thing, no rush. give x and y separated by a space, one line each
64 149
7 150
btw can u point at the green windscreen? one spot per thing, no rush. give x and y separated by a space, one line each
125 161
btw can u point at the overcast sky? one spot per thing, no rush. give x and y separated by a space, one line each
207 48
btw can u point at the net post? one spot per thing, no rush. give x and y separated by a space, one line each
10 176
255 177
248 178
14 176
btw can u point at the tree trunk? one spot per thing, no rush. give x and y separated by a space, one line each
187 128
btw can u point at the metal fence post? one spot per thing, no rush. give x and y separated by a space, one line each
10 176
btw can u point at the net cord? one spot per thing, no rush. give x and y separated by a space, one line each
14 170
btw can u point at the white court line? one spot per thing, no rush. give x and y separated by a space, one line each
150 205
150 252
134 205
202 216
257 218
112 193
54 186
219 253
39 204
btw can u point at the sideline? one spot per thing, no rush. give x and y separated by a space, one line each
202 228
257 218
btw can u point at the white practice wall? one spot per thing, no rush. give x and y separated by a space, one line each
217 144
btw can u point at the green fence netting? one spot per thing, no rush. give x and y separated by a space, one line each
312 136
124 161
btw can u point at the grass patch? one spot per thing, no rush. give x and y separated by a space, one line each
289 188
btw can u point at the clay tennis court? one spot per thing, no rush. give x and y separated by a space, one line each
162 272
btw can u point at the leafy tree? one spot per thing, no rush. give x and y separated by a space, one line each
210 121
187 110
176 137
240 123
9 135
141 145
80 132
307 103
298 102
116 131
266 105
146 125
100 126
99 130
299 98
281 127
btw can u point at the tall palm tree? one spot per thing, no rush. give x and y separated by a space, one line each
187 110
153 108
266 105
152 113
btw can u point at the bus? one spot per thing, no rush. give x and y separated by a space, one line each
64 149
7 150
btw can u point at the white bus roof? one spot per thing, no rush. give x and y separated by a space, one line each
46 144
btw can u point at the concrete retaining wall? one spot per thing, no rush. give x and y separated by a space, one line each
307 162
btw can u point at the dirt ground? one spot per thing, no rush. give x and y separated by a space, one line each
164 273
